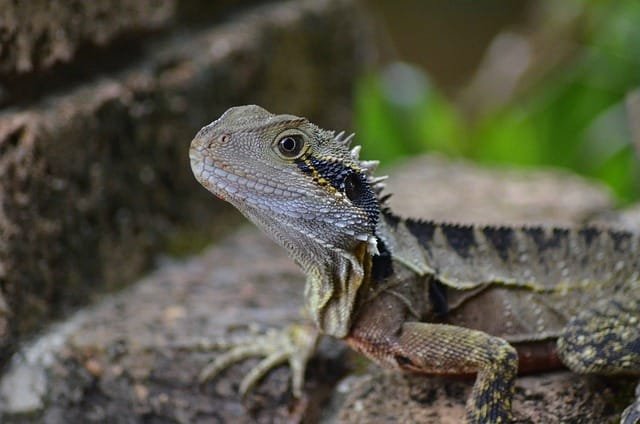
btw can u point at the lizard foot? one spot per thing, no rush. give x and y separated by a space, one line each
294 344
631 415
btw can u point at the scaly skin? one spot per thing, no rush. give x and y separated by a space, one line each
420 296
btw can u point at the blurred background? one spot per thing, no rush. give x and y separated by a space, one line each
99 101
527 83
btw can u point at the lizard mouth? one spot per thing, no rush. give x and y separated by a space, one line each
213 175
197 161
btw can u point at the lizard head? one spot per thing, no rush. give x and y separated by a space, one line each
301 184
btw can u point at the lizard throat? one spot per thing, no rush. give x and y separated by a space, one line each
332 293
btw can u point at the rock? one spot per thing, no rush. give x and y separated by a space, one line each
472 194
38 34
136 356
132 358
560 397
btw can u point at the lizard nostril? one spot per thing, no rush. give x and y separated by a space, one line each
213 141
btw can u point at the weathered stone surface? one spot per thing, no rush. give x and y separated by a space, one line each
95 181
124 360
553 398
472 193
37 34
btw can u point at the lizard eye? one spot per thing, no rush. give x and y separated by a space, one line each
290 145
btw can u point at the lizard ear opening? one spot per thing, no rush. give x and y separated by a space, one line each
352 187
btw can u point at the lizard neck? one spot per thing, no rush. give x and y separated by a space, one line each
332 288
335 276
337 280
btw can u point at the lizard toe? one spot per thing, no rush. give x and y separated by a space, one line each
260 370
293 345
229 358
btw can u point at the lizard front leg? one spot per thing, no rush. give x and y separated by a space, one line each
294 345
442 349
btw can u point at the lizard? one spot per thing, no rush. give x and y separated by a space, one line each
419 296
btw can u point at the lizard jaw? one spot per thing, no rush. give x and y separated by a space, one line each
199 169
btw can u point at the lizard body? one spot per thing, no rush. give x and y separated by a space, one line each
422 296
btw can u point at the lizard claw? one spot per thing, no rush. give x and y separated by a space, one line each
294 344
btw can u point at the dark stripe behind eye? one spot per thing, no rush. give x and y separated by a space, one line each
349 181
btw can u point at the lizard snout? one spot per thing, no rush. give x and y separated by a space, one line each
195 156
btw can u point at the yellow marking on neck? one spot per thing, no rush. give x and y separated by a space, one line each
315 175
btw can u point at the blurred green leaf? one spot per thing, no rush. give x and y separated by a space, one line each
574 118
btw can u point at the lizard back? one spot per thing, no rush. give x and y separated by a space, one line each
530 279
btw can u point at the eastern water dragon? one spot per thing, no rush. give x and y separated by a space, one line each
420 296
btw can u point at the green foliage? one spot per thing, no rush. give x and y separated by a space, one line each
392 129
575 117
